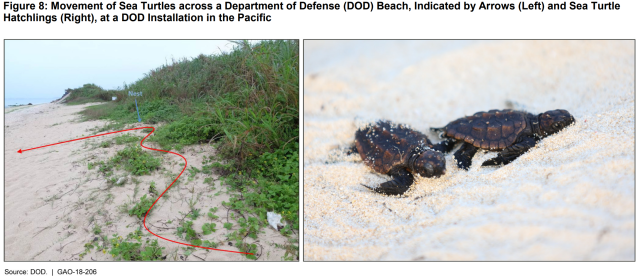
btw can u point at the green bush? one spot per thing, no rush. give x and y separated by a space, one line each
127 139
246 100
277 185
136 160
185 131
208 228
187 230
245 103
135 251
88 93
141 208
159 110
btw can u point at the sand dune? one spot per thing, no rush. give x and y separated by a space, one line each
53 201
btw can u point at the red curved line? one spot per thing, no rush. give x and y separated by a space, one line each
144 221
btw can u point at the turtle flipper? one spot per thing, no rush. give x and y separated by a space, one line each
402 181
351 150
498 160
510 153
445 146
464 155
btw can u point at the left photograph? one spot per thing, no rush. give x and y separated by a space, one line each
151 150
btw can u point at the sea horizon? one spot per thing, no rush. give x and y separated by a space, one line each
25 101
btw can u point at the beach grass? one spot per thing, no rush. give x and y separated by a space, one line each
244 103
88 93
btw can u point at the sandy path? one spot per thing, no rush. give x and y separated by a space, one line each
53 202
34 179
569 198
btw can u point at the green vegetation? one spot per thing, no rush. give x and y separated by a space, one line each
104 167
133 158
130 248
211 213
209 180
96 229
247 100
152 189
88 93
248 228
194 214
141 208
244 103
124 249
187 230
208 228
210 244
228 225
291 249
136 160
273 185
127 139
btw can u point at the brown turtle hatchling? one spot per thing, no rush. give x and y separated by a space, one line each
398 151
508 131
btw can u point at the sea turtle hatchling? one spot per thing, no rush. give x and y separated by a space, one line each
398 151
508 131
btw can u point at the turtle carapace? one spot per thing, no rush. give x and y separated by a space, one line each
508 131
398 151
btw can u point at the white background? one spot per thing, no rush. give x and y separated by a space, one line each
621 24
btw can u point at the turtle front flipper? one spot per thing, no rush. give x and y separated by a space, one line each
402 181
510 153
465 154
445 146
498 160
351 150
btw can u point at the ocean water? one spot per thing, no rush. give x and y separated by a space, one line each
24 101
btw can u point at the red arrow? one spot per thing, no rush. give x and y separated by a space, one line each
20 151
144 221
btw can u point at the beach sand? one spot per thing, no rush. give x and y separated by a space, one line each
570 198
53 202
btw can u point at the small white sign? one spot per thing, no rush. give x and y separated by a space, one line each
114 98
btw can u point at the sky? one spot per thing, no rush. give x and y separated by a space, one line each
45 68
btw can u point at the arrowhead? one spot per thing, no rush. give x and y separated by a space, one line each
20 151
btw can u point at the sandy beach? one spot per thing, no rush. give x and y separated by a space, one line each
570 198
53 202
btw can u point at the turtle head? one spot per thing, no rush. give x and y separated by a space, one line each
429 163
552 122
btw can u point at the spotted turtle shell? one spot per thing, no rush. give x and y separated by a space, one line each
386 145
492 130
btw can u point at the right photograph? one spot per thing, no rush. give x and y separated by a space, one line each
469 150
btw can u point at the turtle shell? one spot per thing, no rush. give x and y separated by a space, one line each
492 130
386 145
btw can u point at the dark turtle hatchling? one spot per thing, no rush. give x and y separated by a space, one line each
508 131
398 151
